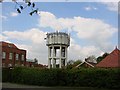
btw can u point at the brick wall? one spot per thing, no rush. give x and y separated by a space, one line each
8 48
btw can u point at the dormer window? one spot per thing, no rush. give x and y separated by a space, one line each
9 45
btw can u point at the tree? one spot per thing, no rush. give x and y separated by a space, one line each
92 59
71 64
26 3
36 61
76 63
100 58
1 0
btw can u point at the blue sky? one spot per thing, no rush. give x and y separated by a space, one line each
92 26
65 10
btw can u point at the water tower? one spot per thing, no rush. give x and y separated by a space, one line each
57 43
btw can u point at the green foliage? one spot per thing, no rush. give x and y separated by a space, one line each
5 74
84 77
100 58
77 62
72 64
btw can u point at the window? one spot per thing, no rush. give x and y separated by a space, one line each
22 64
32 66
3 55
10 55
3 64
23 58
16 65
17 56
8 45
10 65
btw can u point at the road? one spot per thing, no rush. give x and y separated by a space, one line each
11 86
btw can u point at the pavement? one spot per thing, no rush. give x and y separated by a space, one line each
13 86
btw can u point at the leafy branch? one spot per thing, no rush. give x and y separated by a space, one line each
26 3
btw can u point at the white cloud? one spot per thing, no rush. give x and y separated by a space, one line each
95 32
77 51
112 6
38 51
3 38
49 22
35 44
91 30
13 14
3 17
89 8
34 35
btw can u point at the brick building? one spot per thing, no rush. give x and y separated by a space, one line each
11 55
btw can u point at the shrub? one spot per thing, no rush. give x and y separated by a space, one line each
88 77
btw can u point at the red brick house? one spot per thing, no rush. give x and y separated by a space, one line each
88 63
11 55
31 63
111 61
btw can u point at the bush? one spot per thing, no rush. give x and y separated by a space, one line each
87 77
5 74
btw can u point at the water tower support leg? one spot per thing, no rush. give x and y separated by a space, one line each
49 60
65 56
60 65
53 63
49 63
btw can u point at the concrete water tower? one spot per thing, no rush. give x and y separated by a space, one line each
57 43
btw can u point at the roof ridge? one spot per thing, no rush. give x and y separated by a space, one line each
8 44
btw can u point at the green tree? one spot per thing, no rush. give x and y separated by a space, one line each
92 59
76 63
36 61
71 64
100 58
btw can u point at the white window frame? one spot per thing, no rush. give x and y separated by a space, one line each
3 55
10 56
9 65
22 57
17 56
22 64
16 64
3 64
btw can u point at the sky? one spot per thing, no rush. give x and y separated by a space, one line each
93 27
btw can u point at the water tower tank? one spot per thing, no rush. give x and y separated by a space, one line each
58 38
57 43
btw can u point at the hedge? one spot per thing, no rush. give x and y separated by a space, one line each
83 77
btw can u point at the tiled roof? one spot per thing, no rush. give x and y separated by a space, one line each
112 60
